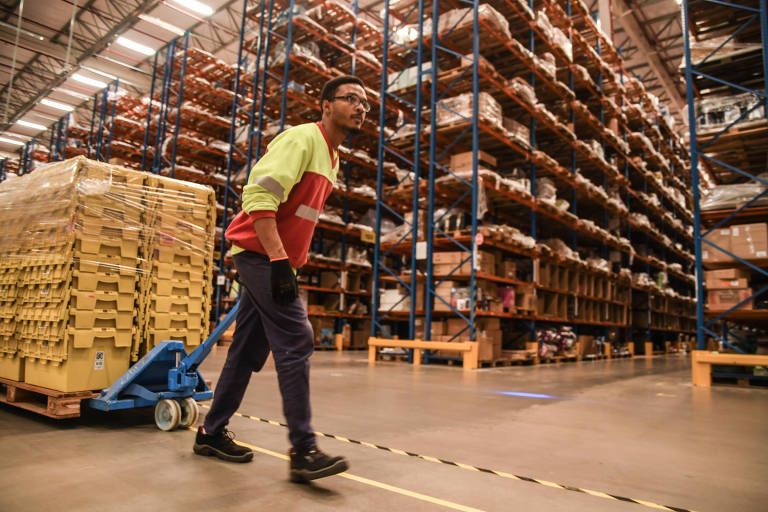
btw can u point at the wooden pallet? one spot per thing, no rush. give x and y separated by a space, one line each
47 402
504 361
558 359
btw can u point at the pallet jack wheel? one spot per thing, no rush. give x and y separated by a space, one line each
167 414
190 412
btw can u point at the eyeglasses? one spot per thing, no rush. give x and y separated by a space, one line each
355 100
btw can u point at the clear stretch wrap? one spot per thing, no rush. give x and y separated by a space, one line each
459 109
99 263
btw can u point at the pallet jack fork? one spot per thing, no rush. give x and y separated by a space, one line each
166 378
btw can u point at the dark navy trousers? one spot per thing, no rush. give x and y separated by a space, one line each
262 325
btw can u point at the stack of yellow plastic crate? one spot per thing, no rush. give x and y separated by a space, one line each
99 264
176 286
14 217
11 366
77 285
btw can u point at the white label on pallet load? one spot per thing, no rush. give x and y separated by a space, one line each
98 362
421 250
221 280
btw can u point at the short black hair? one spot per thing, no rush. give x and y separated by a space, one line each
330 87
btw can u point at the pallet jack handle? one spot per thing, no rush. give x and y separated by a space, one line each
192 361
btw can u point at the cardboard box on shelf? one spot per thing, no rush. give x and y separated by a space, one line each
445 292
720 300
445 261
525 297
488 323
455 326
506 269
360 339
487 349
517 129
750 241
463 161
721 238
723 284
587 345
438 329
726 273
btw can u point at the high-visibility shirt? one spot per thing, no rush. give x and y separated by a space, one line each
291 183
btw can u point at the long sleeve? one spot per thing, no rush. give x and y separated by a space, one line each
275 174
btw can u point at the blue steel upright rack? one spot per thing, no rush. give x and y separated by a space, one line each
752 21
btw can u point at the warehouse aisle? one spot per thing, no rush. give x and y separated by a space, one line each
633 428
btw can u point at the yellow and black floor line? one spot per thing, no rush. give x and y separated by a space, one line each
501 474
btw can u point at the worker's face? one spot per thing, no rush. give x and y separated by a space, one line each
344 113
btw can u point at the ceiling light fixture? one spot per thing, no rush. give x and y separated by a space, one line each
196 6
11 141
101 73
162 24
133 45
72 93
31 125
57 105
88 81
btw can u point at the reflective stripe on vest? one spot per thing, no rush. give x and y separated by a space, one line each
308 213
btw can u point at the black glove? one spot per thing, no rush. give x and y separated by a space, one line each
283 280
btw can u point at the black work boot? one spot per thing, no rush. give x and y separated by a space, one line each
221 445
312 463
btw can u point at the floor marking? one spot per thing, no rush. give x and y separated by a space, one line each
368 481
501 474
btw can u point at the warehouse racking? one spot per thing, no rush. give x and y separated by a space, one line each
725 73
566 97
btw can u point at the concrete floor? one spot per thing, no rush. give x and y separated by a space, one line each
632 427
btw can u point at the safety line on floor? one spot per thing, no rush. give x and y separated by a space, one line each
501 474
368 481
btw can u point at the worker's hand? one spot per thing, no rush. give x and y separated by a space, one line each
283 280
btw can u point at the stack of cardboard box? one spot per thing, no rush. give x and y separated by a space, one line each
726 288
746 241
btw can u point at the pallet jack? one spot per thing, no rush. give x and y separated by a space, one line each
166 378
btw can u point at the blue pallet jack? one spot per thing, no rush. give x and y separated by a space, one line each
166 378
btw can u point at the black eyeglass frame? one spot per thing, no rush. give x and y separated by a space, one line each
354 100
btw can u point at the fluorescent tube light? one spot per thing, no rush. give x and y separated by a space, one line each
57 105
133 45
101 73
196 6
162 24
72 93
11 141
31 125
88 81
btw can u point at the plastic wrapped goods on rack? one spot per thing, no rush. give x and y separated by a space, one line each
79 241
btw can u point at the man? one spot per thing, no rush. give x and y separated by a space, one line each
282 201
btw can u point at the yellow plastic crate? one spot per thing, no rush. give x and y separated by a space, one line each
85 369
166 287
12 366
100 319
176 304
114 301
175 321
100 282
